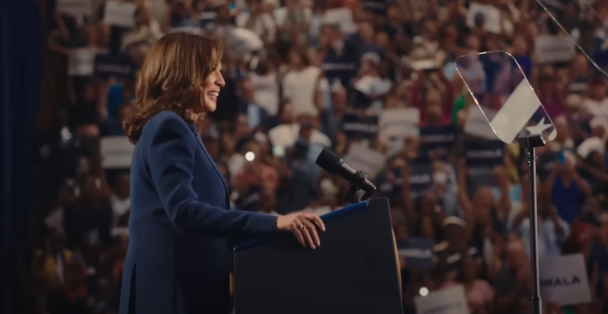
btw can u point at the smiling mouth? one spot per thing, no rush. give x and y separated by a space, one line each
213 95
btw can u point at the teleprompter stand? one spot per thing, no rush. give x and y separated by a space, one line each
529 144
357 185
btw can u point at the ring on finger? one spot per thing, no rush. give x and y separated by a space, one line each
302 226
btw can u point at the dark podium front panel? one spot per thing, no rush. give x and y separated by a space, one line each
353 271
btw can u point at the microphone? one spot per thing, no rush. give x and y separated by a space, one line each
333 164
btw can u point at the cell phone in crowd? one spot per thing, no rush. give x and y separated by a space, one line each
561 158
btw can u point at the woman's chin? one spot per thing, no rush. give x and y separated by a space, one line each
210 106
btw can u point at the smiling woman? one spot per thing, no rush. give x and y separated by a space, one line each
179 255
182 74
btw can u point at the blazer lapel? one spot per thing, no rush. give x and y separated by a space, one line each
206 153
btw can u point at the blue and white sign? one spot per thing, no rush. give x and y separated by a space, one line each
563 279
421 178
484 153
360 127
434 137
445 301
418 252
546 162
114 65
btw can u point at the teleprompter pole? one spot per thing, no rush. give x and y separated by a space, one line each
529 144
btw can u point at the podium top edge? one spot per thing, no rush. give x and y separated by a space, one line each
334 215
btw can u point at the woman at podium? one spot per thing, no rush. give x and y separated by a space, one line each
178 260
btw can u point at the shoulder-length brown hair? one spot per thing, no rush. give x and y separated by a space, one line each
171 78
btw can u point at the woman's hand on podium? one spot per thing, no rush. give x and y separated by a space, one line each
304 226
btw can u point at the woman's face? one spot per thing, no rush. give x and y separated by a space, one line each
211 90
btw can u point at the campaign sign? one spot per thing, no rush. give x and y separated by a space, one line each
399 122
360 127
117 152
481 153
551 49
434 137
418 252
391 189
563 279
421 178
120 13
342 67
445 301
545 164
114 65
75 7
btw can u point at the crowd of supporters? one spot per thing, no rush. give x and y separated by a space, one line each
369 79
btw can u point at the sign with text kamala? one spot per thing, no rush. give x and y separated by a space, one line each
445 301
563 279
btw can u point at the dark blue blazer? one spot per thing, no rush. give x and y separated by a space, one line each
179 258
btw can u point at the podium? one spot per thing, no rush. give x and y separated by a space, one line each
355 269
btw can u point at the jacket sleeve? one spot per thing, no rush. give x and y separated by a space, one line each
171 161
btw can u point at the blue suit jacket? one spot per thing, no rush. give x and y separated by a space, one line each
179 258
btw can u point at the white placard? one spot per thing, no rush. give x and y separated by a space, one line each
119 13
81 61
240 40
563 279
342 17
425 64
399 122
491 17
477 125
363 158
117 152
445 301
120 231
75 7
187 29
549 49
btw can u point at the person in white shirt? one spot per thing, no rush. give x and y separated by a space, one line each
266 86
257 21
597 101
300 83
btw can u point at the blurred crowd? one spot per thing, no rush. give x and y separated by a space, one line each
373 80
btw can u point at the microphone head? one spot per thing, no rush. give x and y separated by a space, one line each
329 161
